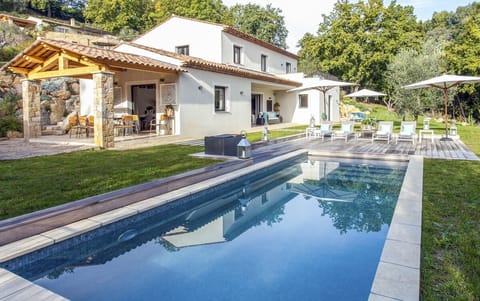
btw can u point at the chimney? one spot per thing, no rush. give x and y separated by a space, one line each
72 22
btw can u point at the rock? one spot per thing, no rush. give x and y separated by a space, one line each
14 134
57 110
75 88
61 94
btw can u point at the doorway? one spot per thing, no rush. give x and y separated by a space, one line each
256 107
144 103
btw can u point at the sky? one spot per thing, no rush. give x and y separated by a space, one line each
302 16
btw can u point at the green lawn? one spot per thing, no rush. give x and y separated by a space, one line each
450 267
36 183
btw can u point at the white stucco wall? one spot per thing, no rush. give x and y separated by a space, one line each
290 106
203 39
196 105
251 55
86 97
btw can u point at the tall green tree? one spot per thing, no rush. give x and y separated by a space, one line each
462 56
411 66
463 52
14 5
62 9
265 23
357 41
207 10
117 15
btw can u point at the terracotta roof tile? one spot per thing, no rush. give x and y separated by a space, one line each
110 55
99 55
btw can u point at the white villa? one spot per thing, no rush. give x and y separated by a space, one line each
218 80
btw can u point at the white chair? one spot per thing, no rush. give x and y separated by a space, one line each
384 132
345 132
324 130
407 132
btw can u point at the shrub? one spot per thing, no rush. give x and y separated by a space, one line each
9 123
8 120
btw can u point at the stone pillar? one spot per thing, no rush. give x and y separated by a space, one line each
103 104
32 127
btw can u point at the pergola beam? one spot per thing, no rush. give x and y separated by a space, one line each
64 73
34 59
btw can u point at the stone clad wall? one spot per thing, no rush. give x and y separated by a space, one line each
32 127
103 102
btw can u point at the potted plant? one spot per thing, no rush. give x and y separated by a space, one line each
276 107
169 110
368 123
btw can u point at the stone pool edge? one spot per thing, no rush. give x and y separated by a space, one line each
398 272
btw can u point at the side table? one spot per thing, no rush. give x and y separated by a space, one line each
423 132
309 132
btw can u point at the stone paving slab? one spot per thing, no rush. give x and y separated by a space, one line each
17 288
71 230
12 149
398 273
24 246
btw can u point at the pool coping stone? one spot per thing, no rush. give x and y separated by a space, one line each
398 273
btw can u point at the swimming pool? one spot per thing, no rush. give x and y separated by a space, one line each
305 230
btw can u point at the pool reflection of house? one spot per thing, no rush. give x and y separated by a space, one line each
314 182
247 207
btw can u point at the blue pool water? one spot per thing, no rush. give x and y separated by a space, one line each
310 230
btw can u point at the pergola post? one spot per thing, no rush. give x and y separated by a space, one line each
103 103
32 127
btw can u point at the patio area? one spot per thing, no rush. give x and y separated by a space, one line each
428 148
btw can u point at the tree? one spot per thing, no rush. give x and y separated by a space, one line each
62 9
357 41
411 66
462 57
208 10
115 15
13 5
266 23
49 7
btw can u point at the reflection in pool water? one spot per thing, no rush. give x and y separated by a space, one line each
311 231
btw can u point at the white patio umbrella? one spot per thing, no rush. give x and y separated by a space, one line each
444 83
322 85
365 93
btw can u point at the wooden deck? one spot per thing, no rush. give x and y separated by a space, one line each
455 149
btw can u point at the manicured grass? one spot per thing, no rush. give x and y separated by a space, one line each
470 135
450 267
41 182
274 134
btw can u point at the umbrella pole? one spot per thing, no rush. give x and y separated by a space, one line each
324 106
445 100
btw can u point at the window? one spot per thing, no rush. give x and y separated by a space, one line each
263 63
303 101
220 99
237 52
288 67
183 50
61 29
269 105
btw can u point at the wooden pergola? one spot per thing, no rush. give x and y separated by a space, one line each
52 58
